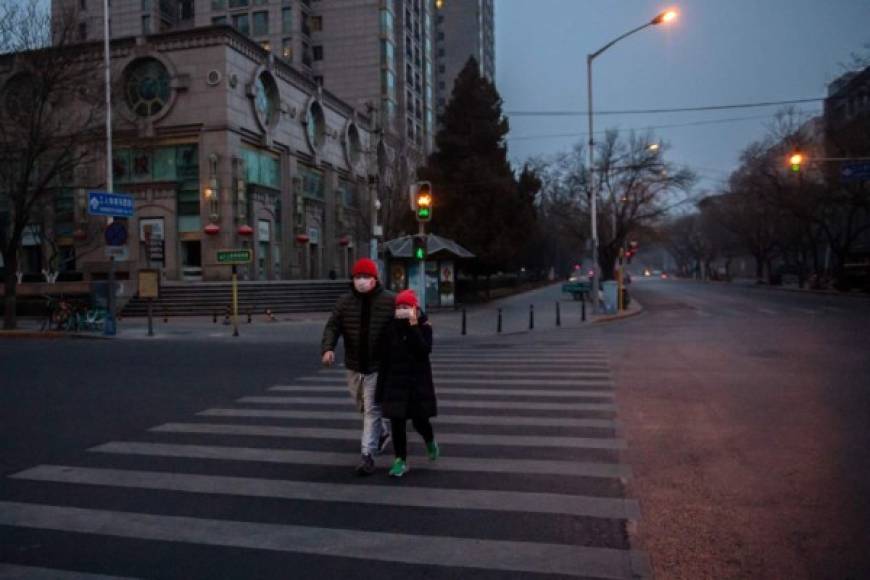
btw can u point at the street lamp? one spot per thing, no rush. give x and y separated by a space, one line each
661 18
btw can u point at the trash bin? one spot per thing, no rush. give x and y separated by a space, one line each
610 289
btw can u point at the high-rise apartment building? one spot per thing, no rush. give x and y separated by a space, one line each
378 55
463 29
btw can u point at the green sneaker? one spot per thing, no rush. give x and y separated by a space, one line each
433 451
399 468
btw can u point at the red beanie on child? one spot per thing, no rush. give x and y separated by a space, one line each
365 266
407 298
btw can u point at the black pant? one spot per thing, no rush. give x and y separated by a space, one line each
400 433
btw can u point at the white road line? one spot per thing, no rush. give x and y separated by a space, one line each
353 435
529 557
532 360
528 382
440 420
297 457
768 311
563 393
577 374
14 572
448 403
426 497
806 311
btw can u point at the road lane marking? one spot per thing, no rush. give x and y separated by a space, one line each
768 311
440 420
353 435
14 572
575 374
425 497
528 557
441 403
564 393
299 457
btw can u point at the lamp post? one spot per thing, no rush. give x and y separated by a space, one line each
663 17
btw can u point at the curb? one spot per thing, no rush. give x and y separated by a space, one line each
48 335
615 317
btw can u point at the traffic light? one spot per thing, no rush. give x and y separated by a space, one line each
631 251
795 160
419 248
423 201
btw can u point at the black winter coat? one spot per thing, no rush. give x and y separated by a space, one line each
376 308
405 389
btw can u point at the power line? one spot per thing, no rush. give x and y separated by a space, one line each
671 110
648 127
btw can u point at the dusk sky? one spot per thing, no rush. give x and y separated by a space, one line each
717 52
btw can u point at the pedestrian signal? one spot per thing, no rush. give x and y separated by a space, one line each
419 248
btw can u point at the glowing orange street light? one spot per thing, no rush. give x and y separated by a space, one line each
665 17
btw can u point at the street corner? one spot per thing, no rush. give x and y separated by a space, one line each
634 309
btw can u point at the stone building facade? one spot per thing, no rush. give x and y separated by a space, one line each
222 146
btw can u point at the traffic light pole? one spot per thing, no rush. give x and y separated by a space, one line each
423 267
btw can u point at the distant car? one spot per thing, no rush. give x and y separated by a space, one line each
656 273
646 272
665 276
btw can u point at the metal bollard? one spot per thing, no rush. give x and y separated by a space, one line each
165 315
558 315
249 315
499 320
463 323
583 307
214 316
531 316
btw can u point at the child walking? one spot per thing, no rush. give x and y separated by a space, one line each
405 389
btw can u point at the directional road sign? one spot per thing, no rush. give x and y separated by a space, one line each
110 204
116 234
855 171
241 256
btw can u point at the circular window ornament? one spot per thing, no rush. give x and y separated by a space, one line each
265 97
352 145
146 87
315 126
214 77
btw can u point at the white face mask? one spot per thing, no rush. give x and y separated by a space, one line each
403 313
364 285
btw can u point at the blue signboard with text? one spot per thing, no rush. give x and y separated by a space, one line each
855 171
110 204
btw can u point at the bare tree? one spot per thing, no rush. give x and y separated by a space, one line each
52 112
635 187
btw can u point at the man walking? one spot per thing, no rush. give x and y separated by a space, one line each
360 317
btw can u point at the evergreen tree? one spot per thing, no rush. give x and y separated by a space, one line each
478 201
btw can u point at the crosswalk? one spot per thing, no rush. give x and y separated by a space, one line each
530 485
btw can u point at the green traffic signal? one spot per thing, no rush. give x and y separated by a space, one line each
423 213
421 255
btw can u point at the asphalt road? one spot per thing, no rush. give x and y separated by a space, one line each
745 412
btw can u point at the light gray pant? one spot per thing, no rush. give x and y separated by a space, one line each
362 389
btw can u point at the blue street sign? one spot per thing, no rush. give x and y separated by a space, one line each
110 204
116 234
855 171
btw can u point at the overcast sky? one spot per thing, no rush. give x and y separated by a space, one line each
717 52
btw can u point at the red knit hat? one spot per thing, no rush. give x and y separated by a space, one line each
407 298
366 267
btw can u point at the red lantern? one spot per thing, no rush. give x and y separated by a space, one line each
302 238
246 230
80 235
344 241
212 229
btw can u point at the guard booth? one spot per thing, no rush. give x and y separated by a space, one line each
439 268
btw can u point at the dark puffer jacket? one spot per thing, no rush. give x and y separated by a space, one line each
360 319
405 388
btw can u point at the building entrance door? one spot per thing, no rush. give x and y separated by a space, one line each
191 260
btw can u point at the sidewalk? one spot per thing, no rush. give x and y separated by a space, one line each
481 321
